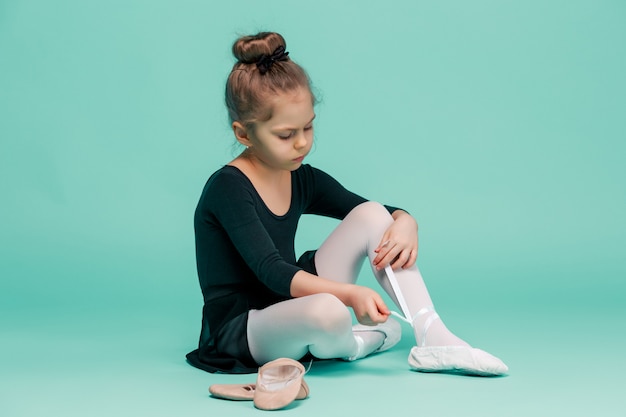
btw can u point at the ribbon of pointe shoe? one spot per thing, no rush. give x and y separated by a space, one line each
405 308
403 305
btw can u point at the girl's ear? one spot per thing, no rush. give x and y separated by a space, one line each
241 134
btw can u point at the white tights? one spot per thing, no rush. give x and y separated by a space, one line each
321 324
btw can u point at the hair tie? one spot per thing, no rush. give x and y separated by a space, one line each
265 62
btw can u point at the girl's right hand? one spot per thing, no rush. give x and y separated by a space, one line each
369 308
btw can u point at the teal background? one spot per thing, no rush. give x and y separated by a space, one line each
499 124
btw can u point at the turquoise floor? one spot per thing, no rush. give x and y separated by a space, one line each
132 364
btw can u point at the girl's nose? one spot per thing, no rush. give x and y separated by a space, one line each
300 141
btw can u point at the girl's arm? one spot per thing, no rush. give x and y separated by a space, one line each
328 197
369 308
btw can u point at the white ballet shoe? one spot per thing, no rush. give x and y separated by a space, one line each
391 330
461 359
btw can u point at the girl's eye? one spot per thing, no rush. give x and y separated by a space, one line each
285 136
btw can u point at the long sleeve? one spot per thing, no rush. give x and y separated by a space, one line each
327 197
230 231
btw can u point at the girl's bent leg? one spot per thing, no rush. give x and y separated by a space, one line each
319 323
342 254
340 258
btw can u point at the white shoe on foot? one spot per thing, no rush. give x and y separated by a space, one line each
391 331
462 359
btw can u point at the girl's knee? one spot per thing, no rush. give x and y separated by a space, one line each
372 213
327 313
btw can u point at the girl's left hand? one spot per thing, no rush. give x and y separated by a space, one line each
398 246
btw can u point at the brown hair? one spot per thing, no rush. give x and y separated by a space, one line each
248 89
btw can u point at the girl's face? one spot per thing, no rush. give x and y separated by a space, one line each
283 141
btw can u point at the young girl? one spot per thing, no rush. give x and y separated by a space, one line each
260 302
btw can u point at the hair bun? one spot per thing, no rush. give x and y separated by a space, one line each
249 49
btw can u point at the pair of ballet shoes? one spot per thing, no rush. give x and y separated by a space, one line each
278 384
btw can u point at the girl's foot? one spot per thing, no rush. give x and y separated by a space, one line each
439 350
374 339
462 359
